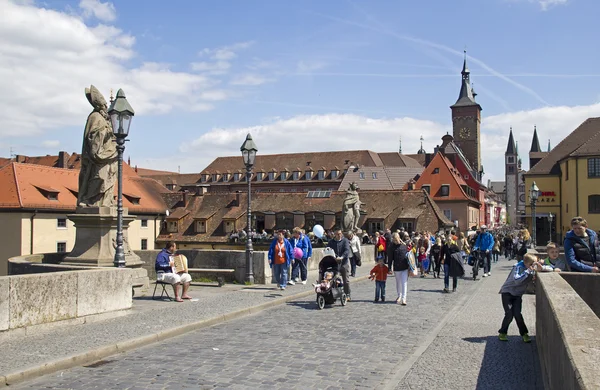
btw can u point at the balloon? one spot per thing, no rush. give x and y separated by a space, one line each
298 254
318 230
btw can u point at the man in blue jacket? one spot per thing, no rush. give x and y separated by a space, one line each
164 263
580 247
485 242
299 266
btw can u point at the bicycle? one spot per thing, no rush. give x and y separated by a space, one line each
478 259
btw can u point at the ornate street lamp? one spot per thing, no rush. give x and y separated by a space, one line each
534 192
120 113
550 219
249 150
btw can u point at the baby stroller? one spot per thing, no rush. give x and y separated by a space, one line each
331 286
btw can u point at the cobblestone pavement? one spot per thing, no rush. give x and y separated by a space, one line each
146 317
467 353
294 346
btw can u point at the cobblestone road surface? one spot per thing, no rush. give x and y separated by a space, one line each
293 346
467 354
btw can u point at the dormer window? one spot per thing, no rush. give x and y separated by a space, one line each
170 187
172 226
133 199
283 176
48 192
200 226
260 176
307 175
204 178
236 176
334 174
296 175
445 190
226 177
215 177
321 174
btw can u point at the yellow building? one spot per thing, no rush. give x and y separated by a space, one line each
567 178
36 200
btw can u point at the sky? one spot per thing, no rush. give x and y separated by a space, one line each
298 75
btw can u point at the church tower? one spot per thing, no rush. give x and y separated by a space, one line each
466 121
511 177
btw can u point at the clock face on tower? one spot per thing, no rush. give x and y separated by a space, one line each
465 132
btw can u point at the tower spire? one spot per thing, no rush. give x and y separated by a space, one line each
421 151
511 148
549 148
535 143
400 146
466 96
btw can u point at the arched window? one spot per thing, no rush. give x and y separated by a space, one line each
284 221
594 204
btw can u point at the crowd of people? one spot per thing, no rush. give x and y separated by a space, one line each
401 254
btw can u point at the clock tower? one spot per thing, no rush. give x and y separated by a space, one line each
466 121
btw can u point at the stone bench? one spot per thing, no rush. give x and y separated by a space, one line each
220 280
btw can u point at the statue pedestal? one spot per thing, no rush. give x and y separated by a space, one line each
96 238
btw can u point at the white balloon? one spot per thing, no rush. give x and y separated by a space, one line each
318 231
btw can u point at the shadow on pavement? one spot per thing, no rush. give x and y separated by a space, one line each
306 305
510 364
437 290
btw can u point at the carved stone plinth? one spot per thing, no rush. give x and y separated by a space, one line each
96 238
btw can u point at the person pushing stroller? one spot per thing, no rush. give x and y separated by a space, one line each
341 248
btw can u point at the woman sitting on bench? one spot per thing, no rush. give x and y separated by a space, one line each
164 263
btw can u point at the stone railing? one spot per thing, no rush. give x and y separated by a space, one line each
28 300
236 259
567 329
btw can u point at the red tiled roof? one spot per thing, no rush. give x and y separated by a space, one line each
21 184
388 205
153 172
447 175
300 161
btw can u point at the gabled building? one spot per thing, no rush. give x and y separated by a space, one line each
296 172
567 178
208 219
448 188
35 201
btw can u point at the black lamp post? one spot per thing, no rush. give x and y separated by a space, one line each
550 220
249 150
534 192
120 113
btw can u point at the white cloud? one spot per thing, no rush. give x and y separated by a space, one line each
249 79
546 4
310 133
48 57
309 66
218 67
52 144
102 11
356 132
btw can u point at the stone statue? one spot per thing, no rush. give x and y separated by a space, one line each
351 209
98 156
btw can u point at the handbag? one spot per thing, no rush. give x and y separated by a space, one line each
357 259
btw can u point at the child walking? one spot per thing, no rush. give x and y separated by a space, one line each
512 295
379 273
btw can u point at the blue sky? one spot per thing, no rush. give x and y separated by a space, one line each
302 75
